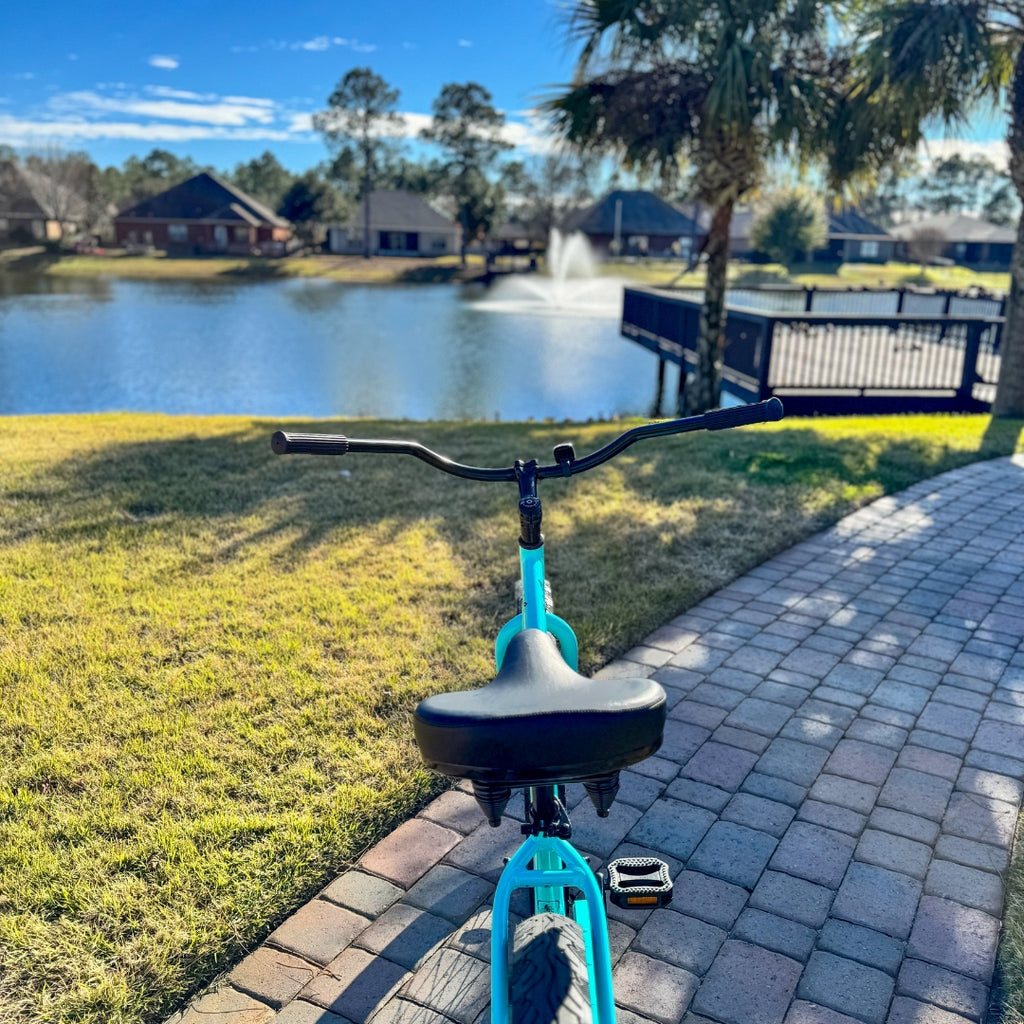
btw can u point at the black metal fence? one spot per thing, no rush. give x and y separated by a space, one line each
831 362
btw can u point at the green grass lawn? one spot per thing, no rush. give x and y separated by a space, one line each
208 655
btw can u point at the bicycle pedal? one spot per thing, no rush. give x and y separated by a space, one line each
639 883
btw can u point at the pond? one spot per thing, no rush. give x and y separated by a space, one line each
312 347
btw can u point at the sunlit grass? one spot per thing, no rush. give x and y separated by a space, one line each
208 655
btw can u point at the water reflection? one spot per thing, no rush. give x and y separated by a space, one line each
305 348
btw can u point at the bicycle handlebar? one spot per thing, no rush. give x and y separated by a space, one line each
338 444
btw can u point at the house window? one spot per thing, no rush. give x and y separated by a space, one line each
869 249
241 234
440 243
3 223
177 232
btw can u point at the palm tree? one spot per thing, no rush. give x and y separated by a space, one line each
921 61
725 85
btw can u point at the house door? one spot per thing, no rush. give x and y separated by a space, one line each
220 236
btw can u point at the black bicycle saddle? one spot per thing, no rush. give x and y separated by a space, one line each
539 722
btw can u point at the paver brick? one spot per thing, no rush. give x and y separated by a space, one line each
878 898
802 1012
864 945
848 793
902 696
451 983
653 988
826 711
971 816
354 984
680 940
951 991
772 788
897 853
972 854
854 678
934 762
846 986
405 934
848 698
777 692
454 809
938 741
880 730
999 763
699 794
949 719
481 852
716 695
756 812
949 694
916 793
271 975
712 900
832 816
954 936
410 851
900 823
733 853
365 894
318 932
990 784
818 854
810 730
449 892
763 716
229 1004
1000 738
673 827
298 1011
779 934
716 764
966 885
794 898
742 738
683 734
793 761
602 835
863 762
905 1011
747 985
394 1011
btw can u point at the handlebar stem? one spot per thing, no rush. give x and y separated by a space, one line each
530 509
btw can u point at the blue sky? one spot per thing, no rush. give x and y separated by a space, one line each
222 81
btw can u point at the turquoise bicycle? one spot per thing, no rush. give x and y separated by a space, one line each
536 727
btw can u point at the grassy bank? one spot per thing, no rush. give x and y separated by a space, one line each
403 270
208 655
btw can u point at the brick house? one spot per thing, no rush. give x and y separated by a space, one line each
204 215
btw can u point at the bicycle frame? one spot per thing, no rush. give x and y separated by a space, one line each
555 862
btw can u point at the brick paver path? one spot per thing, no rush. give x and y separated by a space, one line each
836 795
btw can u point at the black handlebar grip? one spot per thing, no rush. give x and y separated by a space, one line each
762 412
309 444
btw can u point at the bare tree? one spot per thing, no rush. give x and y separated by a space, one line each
924 244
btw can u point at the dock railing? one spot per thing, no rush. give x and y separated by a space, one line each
832 361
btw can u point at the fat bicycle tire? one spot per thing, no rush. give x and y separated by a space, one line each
549 983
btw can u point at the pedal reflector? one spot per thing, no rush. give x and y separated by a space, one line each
640 882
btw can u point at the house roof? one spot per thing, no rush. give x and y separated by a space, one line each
398 210
848 222
641 213
31 193
204 197
958 227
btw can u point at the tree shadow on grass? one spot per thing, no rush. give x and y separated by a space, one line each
672 522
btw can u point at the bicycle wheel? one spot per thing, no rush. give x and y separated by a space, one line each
549 983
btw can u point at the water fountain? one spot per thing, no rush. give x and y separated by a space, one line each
571 286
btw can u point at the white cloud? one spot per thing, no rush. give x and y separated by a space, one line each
19 132
166 92
317 44
162 61
82 105
465 42
995 150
